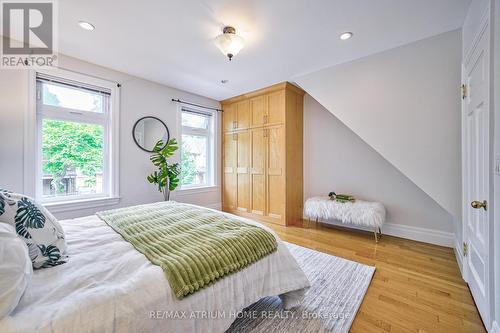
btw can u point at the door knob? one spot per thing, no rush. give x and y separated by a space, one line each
479 204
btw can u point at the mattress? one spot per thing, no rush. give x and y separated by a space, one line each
108 286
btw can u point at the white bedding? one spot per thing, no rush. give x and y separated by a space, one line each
108 286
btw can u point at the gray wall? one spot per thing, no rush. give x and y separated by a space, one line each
336 159
405 103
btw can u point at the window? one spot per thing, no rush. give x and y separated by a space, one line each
74 138
197 148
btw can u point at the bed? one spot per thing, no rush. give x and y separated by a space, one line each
108 286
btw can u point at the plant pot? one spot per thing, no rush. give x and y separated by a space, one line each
166 190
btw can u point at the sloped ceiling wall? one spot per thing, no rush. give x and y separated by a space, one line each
405 103
336 159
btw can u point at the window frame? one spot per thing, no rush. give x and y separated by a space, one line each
109 119
212 149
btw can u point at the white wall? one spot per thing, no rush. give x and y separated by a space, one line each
13 103
336 159
405 103
138 98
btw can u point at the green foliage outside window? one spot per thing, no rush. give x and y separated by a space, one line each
67 147
188 165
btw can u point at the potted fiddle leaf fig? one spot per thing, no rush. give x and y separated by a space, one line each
166 177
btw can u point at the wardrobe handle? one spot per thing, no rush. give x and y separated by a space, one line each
235 136
265 119
235 124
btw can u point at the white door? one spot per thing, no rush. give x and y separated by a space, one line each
476 118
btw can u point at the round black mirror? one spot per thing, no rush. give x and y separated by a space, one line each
148 131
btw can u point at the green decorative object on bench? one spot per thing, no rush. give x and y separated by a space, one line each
194 246
341 197
167 176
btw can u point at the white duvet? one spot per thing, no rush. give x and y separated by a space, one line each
108 286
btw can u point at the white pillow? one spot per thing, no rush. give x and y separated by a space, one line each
15 269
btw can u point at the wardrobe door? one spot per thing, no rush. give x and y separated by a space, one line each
257 170
258 111
243 171
276 181
243 114
229 194
276 107
229 117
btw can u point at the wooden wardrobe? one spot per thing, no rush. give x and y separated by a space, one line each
262 159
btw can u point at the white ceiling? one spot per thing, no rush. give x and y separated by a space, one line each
171 41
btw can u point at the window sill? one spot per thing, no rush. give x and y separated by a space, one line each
65 206
196 190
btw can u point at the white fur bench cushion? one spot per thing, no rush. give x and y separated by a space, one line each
364 213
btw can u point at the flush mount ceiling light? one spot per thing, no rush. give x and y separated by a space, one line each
346 35
86 25
229 43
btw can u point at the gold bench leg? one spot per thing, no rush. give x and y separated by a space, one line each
378 234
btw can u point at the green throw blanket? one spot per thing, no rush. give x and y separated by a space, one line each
194 246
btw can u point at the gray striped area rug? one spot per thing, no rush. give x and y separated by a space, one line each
338 287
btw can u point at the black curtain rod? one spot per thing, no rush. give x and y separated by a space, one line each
55 80
198 105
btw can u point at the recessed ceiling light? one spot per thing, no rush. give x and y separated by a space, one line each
224 81
346 35
86 25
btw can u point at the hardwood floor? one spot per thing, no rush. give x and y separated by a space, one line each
417 287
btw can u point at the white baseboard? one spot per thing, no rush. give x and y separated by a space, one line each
217 206
495 327
425 235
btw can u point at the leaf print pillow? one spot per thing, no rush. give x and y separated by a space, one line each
6 212
35 225
2 205
28 216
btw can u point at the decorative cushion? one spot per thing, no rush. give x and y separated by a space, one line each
36 226
16 269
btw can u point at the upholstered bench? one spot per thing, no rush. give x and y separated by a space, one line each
363 213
